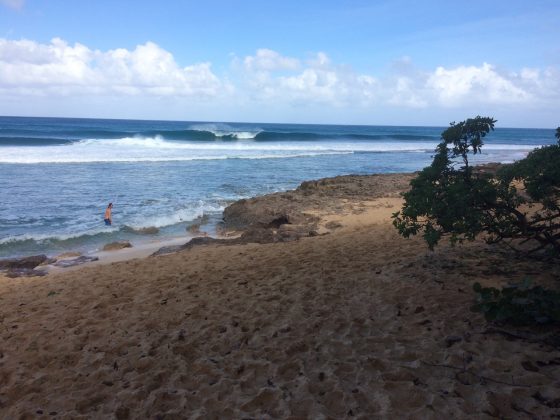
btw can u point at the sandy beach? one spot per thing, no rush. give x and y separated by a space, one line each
331 315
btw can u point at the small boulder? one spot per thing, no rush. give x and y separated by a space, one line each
114 246
68 255
75 261
168 250
207 240
278 221
452 339
259 236
333 225
48 261
194 230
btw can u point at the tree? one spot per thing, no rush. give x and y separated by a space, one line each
519 205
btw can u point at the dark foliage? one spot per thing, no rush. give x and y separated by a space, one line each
518 305
450 198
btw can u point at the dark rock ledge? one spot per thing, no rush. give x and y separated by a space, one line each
289 216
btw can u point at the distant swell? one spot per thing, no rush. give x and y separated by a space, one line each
27 137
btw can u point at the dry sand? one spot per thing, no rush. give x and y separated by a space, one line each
357 323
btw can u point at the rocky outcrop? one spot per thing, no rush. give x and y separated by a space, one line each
68 255
24 267
114 246
65 263
258 235
271 210
289 216
357 186
194 230
193 242
22 263
296 207
490 168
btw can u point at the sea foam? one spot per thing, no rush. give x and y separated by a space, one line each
224 130
158 149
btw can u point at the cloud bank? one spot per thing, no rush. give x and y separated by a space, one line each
58 69
30 68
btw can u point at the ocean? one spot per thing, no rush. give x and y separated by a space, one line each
57 175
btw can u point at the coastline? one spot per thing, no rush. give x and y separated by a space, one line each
331 314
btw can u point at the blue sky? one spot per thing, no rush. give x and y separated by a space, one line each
367 62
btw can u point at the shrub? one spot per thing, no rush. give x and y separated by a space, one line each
518 305
450 198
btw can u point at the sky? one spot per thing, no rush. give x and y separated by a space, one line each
370 62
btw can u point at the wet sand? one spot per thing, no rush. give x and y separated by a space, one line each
355 322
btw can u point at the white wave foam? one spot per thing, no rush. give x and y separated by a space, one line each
141 221
157 149
525 147
224 130
183 215
41 238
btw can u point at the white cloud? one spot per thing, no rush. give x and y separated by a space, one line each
269 60
264 82
454 87
404 92
318 82
405 86
543 84
13 4
27 67
320 60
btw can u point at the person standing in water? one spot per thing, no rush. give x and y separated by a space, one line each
108 218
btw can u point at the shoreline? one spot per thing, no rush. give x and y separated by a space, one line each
350 321
281 205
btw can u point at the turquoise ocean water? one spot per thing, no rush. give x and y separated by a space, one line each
57 175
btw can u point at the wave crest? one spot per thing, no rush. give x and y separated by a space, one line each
226 131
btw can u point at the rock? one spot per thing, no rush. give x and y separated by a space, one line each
259 236
300 206
48 261
452 339
195 230
206 240
68 255
279 221
168 250
270 211
122 413
114 246
333 225
25 262
25 272
75 261
527 365
490 168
